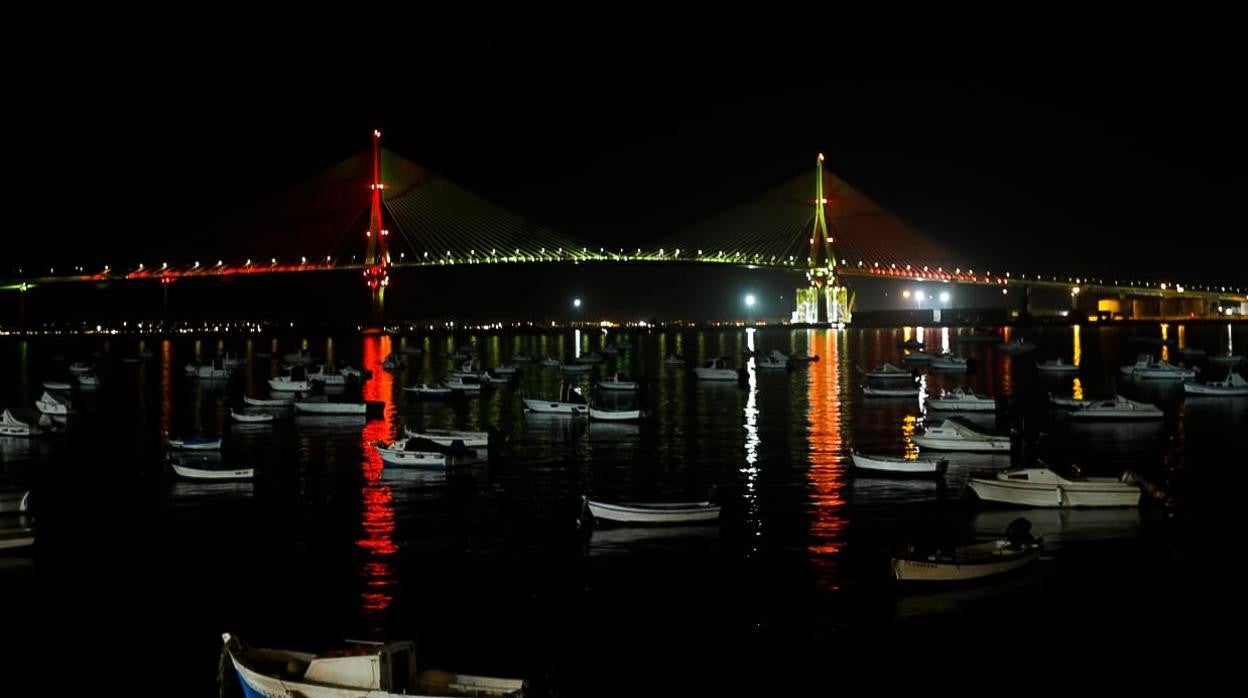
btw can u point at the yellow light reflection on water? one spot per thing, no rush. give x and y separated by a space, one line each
1077 349
907 433
827 468
377 522
1165 335
1076 390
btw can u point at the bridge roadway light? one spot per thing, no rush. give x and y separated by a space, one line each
905 293
944 296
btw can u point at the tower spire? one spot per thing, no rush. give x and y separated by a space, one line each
377 254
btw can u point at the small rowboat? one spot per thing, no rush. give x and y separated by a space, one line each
653 513
893 465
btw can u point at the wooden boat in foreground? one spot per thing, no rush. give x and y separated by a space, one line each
971 561
366 669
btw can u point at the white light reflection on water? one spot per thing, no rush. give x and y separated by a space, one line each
750 469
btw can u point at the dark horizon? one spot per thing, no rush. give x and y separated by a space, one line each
1088 178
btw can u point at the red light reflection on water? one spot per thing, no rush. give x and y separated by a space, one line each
827 468
378 513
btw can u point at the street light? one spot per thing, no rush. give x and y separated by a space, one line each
576 302
944 296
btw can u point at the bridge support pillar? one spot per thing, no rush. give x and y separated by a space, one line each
821 305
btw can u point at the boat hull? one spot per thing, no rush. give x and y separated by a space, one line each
213 475
1077 494
908 570
899 466
544 407
654 514
997 445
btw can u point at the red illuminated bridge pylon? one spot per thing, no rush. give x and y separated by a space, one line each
377 255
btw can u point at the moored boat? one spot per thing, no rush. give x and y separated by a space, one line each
1056 366
190 472
970 562
207 443
425 453
954 434
1042 487
961 401
1233 385
365 670
652 512
896 465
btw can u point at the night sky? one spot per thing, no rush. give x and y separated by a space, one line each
116 151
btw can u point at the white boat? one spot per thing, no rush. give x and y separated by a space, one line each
79 367
570 401
949 362
268 402
468 369
771 362
231 360
212 443
489 379
521 358
1041 487
294 382
576 368
1233 384
190 473
895 465
617 381
1117 408
326 375
52 404
88 380
504 370
716 370
425 453
57 385
653 513
17 537
673 360
12 426
251 417
1146 367
426 390
211 371
961 401
1056 366
1017 346
803 358
16 502
464 384
365 670
888 371
1227 359
970 562
614 415
551 362
870 391
447 437
918 357
320 405
956 435
590 358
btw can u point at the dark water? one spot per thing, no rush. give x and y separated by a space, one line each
485 566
